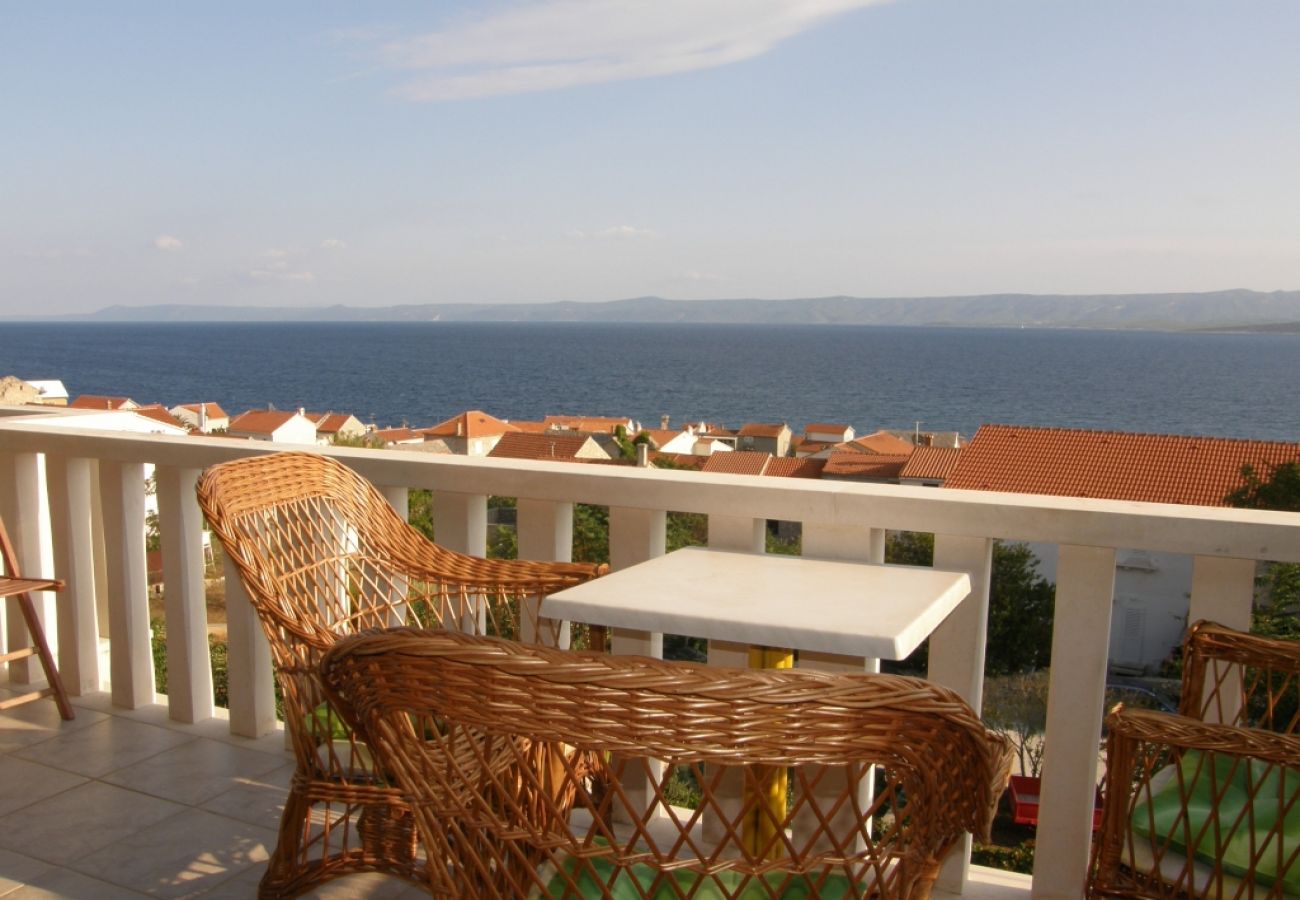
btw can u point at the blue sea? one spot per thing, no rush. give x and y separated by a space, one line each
949 379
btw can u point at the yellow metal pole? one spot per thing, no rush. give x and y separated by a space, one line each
761 824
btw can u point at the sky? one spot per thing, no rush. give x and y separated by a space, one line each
316 153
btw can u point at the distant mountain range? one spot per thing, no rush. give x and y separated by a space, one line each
1225 310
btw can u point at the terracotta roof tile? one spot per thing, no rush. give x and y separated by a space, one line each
261 421
395 435
866 466
761 429
214 410
473 423
328 422
659 436
824 428
99 401
881 442
680 460
530 427
520 445
159 413
586 424
789 467
737 462
1156 468
931 463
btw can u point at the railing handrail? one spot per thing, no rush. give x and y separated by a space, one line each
1175 528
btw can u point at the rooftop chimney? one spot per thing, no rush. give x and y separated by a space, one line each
203 417
663 422
643 455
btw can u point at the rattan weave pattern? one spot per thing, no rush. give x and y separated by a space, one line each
427 697
323 555
1232 751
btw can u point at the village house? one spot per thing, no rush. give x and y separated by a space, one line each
764 437
204 418
51 392
828 433
559 447
278 426
929 466
1151 592
472 433
332 426
102 402
403 437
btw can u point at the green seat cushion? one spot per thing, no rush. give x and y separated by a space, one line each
324 722
640 881
1216 790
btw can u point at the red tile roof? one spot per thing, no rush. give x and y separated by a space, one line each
99 401
261 421
824 428
789 467
881 442
214 410
1157 468
808 448
159 413
586 424
680 460
659 436
473 423
520 445
737 462
761 429
530 427
865 466
329 422
931 462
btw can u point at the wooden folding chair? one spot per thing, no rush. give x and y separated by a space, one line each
13 584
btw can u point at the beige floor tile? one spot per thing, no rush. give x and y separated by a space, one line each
182 856
82 820
103 747
17 870
23 783
195 772
32 722
366 886
259 801
58 884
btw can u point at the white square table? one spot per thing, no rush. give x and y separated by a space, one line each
830 606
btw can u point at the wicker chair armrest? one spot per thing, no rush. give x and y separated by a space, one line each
1207 639
1187 733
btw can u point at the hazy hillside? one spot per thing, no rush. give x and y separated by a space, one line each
1218 309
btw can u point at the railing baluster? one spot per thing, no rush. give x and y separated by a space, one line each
956 658
29 529
1223 591
251 679
189 670
737 533
460 523
1085 587
545 531
131 659
70 490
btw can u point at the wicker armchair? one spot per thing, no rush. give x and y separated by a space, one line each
710 782
1207 803
323 555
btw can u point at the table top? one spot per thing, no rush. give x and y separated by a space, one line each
11 586
831 606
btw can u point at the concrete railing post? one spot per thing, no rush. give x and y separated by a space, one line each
189 669
70 490
131 660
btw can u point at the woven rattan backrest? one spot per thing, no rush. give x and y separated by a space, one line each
1235 678
322 555
684 755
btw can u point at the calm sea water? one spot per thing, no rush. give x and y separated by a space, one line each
1241 385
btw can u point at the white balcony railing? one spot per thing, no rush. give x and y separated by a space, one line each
74 499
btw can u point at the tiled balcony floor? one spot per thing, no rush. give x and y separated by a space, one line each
120 804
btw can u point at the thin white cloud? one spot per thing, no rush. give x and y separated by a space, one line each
168 243
333 244
554 44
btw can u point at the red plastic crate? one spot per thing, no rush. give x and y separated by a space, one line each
1024 801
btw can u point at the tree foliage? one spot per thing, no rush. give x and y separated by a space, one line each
1021 605
1277 590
